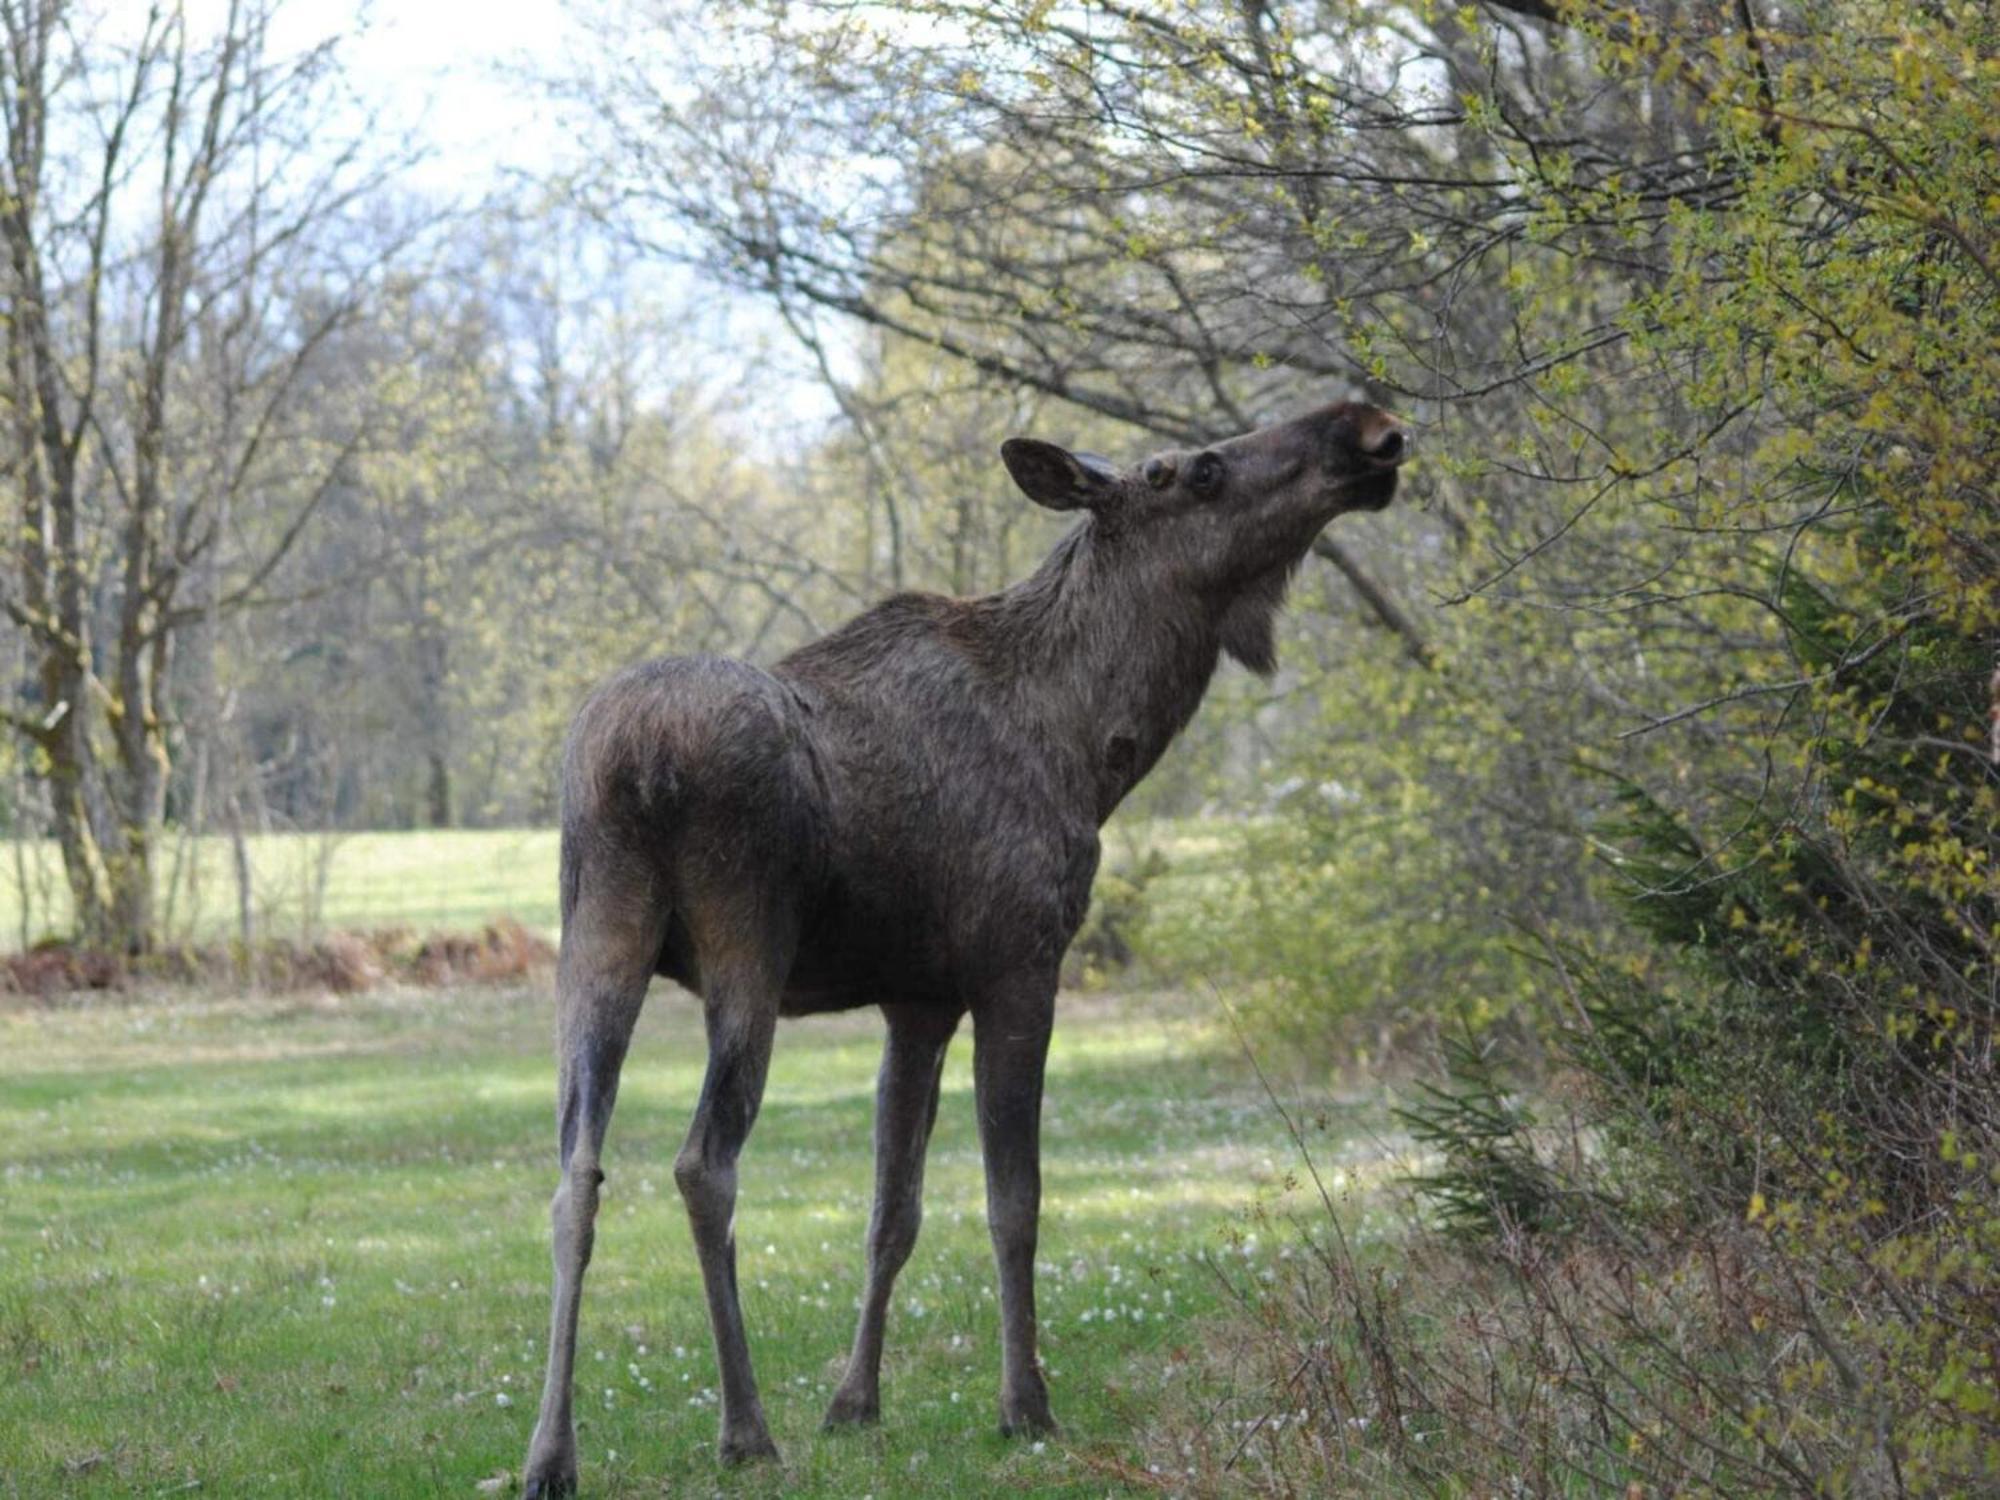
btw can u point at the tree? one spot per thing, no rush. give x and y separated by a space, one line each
182 218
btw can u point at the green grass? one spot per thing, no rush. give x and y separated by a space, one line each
300 1248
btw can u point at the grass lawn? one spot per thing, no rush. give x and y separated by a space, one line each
255 1247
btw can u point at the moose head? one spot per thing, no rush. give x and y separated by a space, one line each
1230 521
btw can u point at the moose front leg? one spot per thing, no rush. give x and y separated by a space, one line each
1011 1046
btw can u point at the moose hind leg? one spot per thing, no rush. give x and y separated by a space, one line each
906 1103
742 1011
609 945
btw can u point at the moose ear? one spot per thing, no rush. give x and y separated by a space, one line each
1056 477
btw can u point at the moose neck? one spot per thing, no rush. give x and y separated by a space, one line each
1111 658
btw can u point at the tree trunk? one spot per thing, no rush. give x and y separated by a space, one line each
84 865
438 794
239 850
143 820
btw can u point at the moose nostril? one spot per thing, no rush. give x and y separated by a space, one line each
1388 446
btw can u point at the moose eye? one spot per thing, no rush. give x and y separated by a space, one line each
1206 472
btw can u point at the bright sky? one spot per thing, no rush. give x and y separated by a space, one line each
458 79
442 69
446 71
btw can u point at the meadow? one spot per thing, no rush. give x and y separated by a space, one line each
298 1246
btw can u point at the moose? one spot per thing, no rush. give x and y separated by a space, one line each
905 813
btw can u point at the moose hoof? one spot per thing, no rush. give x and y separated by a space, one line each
1026 1415
748 1448
551 1468
549 1482
852 1409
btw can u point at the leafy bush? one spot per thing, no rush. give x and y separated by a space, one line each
1778 1005
1118 904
